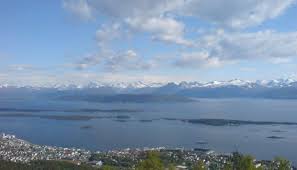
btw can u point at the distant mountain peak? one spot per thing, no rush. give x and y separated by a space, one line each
183 85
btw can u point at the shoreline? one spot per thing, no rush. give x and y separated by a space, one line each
18 150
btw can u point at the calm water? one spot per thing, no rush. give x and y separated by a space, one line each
111 134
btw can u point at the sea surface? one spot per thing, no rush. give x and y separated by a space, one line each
138 125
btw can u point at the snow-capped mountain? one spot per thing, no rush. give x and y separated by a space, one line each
214 84
277 83
136 85
279 88
241 83
4 85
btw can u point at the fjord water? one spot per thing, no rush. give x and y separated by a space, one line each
146 128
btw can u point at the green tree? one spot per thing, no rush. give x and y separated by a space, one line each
228 166
171 167
213 166
246 163
236 159
283 164
153 162
199 166
242 162
107 167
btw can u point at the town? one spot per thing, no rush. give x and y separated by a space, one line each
17 150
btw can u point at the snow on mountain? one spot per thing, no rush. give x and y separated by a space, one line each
117 85
237 82
4 85
276 82
214 84
241 83
187 85
137 85
183 85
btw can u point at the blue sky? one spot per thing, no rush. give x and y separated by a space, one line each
78 41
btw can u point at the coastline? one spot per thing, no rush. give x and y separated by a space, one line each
13 149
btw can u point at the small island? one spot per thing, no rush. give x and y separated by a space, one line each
275 137
86 127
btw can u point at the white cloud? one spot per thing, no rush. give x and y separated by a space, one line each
231 13
115 61
80 8
255 45
229 47
153 15
279 60
163 28
236 13
108 58
135 8
108 33
142 15
87 61
128 60
198 60
210 50
164 21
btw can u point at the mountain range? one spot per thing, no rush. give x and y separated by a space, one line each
138 85
274 89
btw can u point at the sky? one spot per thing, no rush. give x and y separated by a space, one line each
82 41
